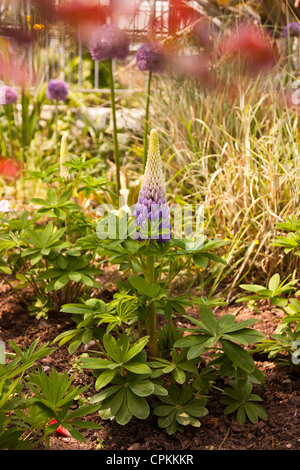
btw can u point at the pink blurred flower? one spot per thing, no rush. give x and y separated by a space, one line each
57 90
109 42
151 57
10 95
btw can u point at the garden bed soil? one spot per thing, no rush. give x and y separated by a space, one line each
280 393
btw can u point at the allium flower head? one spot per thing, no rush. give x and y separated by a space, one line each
109 42
57 90
291 29
151 57
151 205
10 95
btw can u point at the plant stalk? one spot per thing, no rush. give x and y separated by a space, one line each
115 129
151 321
147 120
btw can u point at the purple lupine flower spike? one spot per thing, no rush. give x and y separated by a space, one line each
152 206
109 42
57 90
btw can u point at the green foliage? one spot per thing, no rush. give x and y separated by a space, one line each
24 417
131 367
225 330
284 343
42 251
240 399
179 408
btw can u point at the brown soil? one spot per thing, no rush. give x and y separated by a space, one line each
280 393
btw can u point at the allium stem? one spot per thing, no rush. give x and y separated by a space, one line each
115 130
147 120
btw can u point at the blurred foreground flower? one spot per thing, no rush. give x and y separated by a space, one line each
195 67
151 57
60 429
77 11
5 206
291 29
109 42
57 90
151 205
253 47
9 169
9 95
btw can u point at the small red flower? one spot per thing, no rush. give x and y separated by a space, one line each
60 429
9 169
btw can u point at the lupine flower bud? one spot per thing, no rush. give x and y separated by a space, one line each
151 205
57 90
63 170
109 42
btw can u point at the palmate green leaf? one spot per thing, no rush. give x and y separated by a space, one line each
142 388
208 319
141 285
105 378
138 406
179 408
5 270
137 368
112 348
238 355
245 336
240 399
124 414
136 348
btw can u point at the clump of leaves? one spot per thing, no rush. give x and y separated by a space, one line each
25 419
179 408
240 399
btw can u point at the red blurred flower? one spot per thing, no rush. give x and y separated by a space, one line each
78 11
253 46
9 169
60 429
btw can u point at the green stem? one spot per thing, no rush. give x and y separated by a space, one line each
151 321
147 120
115 130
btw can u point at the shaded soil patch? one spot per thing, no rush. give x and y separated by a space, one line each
280 393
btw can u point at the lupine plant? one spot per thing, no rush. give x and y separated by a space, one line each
41 250
140 358
284 344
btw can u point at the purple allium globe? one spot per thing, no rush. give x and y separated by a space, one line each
57 90
292 29
109 42
151 206
151 57
10 95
